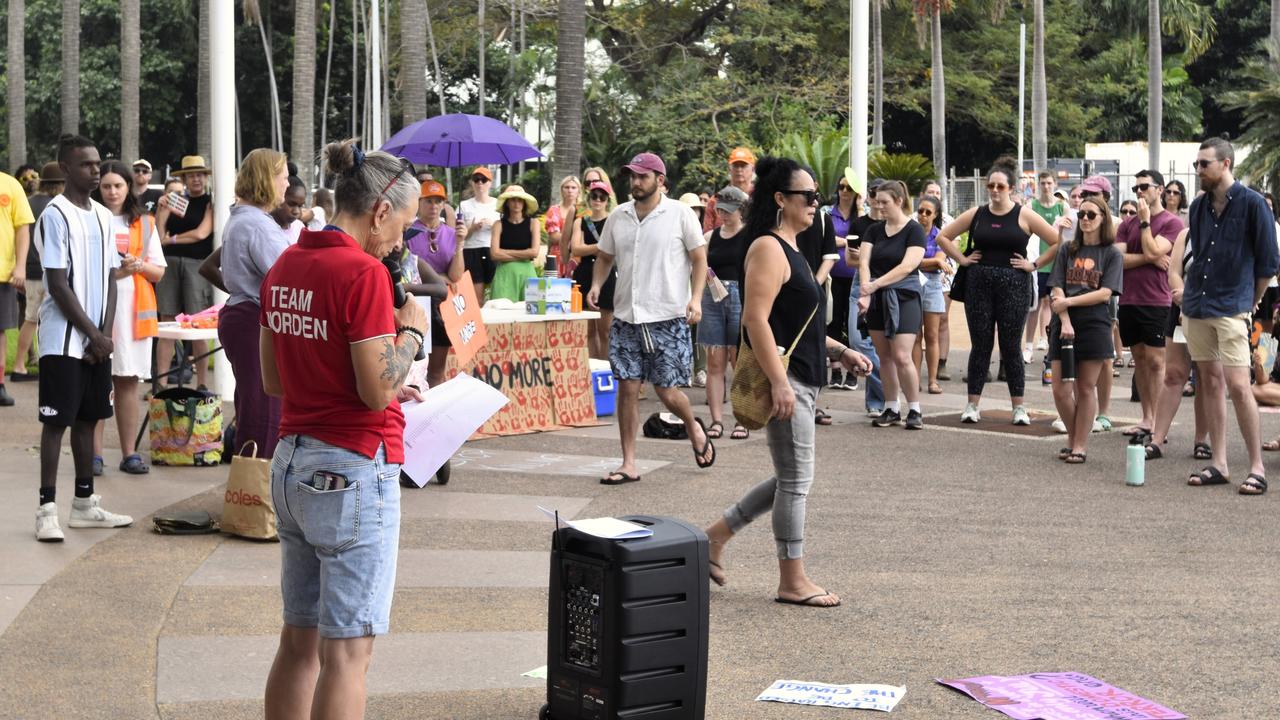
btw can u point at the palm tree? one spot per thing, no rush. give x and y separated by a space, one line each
71 66
1039 95
130 78
570 71
932 10
204 84
435 61
413 60
253 16
877 75
302 124
17 83
480 21
328 74
1155 84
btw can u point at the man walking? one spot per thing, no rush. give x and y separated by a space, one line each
661 258
742 174
1147 240
1232 240
15 222
77 249
51 182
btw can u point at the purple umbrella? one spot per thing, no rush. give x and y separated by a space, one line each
458 140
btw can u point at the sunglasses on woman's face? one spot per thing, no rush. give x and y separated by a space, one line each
1128 211
479 179
997 186
599 197
1173 191
811 197
925 213
1089 215
842 187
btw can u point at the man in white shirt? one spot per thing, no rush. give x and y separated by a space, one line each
661 257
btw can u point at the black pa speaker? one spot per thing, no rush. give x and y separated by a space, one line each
627 625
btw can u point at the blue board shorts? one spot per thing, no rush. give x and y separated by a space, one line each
658 352
338 547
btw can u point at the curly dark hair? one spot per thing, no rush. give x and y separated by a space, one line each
773 174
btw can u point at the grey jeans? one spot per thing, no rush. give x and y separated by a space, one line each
791 445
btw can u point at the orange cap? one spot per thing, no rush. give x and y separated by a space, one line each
431 188
481 170
742 155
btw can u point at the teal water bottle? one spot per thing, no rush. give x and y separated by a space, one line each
1135 467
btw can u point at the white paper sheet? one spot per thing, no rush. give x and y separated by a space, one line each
857 697
605 527
538 673
448 414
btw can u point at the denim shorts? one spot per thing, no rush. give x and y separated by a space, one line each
658 352
931 293
338 547
721 320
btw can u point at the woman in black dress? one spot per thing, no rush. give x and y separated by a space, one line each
585 234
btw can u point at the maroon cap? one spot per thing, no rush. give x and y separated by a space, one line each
647 163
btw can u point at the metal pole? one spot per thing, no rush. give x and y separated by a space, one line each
859 17
375 138
1022 105
222 83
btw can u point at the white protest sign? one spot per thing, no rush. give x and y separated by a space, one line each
857 697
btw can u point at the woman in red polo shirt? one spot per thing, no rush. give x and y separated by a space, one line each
337 352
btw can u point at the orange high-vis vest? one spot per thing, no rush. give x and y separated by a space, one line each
146 323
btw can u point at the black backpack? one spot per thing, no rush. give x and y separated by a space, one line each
657 428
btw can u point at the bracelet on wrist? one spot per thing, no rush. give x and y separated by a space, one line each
414 333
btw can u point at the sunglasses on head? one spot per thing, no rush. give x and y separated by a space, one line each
997 186
1141 187
1089 215
1128 211
811 197
406 165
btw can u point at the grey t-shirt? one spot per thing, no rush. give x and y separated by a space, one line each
1091 268
251 243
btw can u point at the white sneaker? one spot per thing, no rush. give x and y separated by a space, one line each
47 528
1020 416
970 414
1059 426
1042 344
700 379
1097 425
1026 354
89 513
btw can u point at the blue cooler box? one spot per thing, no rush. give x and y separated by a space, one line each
605 390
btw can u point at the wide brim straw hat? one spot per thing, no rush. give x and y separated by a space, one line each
191 164
515 191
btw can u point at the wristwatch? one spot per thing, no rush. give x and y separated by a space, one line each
1144 224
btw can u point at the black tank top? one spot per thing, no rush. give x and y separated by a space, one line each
999 237
725 254
798 297
516 236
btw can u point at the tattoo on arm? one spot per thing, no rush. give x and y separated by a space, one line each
397 359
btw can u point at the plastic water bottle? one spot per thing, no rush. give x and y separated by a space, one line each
1135 466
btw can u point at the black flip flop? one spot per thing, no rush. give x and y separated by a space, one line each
1202 451
739 433
1153 451
719 567
699 452
821 417
807 602
1210 475
1255 484
1063 453
1136 430
618 477
1075 458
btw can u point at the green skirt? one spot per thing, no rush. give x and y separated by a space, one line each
510 279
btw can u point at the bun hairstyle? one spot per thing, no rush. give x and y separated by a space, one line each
897 189
1006 166
773 174
362 177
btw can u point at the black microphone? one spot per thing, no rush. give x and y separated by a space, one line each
398 296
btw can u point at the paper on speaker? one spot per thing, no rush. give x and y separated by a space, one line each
605 527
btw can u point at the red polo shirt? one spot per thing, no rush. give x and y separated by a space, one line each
322 296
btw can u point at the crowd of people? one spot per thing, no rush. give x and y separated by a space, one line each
817 289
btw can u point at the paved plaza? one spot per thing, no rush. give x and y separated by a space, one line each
957 551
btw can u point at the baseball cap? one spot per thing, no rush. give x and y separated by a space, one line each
143 162
601 186
1096 184
647 163
482 170
431 188
730 198
1060 194
692 200
742 155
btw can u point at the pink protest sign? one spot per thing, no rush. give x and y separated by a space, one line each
1059 696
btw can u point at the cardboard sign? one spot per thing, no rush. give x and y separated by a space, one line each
1059 696
855 697
462 321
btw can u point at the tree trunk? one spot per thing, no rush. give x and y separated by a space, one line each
413 61
570 40
355 70
877 74
435 61
938 101
17 83
328 74
130 78
1275 26
71 67
1039 96
1155 86
302 123
481 43
204 102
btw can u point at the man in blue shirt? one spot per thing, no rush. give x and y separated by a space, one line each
1232 241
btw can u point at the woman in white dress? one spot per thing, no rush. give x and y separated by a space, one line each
141 267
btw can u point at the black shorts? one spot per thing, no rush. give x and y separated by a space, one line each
1042 284
1175 319
72 389
478 264
1143 325
1093 338
910 311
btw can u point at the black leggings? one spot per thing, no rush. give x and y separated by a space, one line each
839 326
996 296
